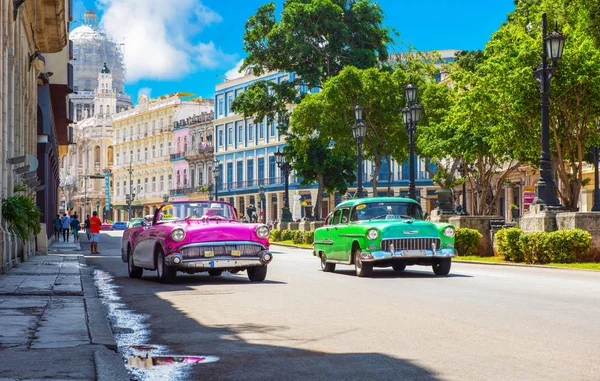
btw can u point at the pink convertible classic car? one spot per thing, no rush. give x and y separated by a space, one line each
196 236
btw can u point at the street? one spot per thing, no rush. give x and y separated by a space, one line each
480 323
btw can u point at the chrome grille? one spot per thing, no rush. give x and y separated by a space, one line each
220 250
410 243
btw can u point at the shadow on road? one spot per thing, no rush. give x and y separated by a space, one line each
264 358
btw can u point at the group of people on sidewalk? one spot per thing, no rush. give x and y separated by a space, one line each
66 224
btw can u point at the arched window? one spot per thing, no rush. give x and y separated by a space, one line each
178 179
185 178
145 153
154 151
101 110
110 154
153 183
117 158
185 147
97 155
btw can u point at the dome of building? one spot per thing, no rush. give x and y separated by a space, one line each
91 49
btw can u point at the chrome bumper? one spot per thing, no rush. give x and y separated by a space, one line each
263 258
384 255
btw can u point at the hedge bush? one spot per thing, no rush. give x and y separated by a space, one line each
466 241
309 237
287 235
536 247
275 235
508 246
567 246
298 237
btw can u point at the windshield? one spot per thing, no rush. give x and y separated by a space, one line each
195 211
386 211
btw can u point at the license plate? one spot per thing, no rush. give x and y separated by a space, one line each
415 253
209 253
236 253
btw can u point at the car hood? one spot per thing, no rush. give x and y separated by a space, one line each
405 229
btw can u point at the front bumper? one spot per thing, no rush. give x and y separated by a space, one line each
376 256
263 258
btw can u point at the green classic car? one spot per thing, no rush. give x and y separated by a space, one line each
383 232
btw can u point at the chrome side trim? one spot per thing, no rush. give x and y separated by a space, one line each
323 242
352 235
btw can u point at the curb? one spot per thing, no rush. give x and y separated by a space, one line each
97 314
110 366
471 262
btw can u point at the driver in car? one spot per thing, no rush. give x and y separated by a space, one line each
213 211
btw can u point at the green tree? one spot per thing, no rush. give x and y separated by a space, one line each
315 39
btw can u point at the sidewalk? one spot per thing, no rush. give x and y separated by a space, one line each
54 326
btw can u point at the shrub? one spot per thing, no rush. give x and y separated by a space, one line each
507 244
309 237
287 235
568 246
536 247
466 241
298 237
275 235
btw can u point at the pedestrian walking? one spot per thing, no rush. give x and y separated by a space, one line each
95 224
87 228
57 227
75 226
65 224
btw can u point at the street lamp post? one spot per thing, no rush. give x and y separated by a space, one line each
463 173
98 204
261 196
215 171
552 48
131 196
165 198
411 116
286 169
359 131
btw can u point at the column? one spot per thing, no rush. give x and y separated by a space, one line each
280 204
313 201
509 195
267 207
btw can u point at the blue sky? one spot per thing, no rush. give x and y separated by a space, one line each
190 45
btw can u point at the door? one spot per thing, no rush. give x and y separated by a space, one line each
143 252
329 236
340 242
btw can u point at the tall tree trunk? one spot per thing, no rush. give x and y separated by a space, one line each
389 187
375 175
319 201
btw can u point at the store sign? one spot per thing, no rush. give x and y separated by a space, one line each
107 190
528 195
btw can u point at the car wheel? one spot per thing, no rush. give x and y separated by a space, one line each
363 269
257 273
133 270
166 274
326 267
215 272
399 266
442 266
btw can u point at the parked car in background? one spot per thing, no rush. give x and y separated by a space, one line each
134 222
383 232
197 236
106 226
119 225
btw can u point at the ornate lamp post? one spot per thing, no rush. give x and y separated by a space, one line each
215 171
463 173
165 198
285 168
412 116
131 196
359 131
98 204
552 48
596 206
261 196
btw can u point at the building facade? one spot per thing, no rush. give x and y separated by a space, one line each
200 156
35 80
245 151
144 142
92 154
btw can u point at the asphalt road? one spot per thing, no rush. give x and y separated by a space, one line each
480 323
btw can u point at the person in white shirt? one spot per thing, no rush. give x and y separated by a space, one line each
65 222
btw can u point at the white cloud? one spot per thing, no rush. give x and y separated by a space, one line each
235 71
157 35
145 91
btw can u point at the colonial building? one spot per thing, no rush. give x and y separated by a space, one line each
35 80
144 141
200 156
245 151
91 155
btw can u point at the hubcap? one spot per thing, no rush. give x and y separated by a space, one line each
358 261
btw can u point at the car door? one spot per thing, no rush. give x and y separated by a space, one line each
332 234
144 237
341 230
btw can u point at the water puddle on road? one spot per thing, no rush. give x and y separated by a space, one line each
145 362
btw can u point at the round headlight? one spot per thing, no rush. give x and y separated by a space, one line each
372 234
449 232
178 235
262 231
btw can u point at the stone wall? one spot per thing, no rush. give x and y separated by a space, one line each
482 225
589 221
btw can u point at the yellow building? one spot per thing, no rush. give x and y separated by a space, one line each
143 144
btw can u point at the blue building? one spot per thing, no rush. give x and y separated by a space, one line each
245 150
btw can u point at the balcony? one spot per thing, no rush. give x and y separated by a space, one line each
202 152
182 191
177 156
